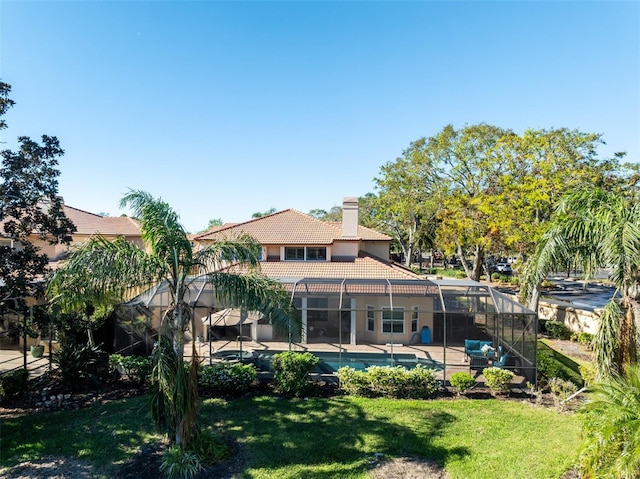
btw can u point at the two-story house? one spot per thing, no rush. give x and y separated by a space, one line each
340 276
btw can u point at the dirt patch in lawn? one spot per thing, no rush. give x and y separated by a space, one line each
407 468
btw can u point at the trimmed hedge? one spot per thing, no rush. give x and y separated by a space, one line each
227 378
390 382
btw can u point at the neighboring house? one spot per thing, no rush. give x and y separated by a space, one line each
87 224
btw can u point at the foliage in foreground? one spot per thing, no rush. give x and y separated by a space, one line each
227 378
291 372
137 368
497 379
389 382
462 381
13 383
612 428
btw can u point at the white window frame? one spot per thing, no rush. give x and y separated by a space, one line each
371 319
394 321
415 319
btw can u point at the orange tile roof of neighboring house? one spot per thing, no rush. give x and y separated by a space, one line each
89 223
363 267
289 227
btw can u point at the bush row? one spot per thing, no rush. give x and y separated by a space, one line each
389 382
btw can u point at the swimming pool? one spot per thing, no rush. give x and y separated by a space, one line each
330 362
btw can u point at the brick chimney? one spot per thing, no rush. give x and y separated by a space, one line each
350 217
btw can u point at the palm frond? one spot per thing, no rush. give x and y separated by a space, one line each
612 427
254 292
243 249
160 228
101 272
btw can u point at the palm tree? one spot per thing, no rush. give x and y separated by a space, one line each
103 272
597 228
612 428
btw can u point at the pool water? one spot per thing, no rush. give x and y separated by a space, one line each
330 362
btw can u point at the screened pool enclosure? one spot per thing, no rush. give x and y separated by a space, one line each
426 313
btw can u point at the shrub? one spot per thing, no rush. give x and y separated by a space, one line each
386 381
462 381
556 329
227 378
209 447
497 379
79 366
583 338
548 367
495 277
179 463
13 383
353 382
589 373
561 391
137 368
291 372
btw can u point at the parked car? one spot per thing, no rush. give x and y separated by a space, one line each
504 268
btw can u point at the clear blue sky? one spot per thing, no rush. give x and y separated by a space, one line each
224 109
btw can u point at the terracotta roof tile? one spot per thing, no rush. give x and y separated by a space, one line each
284 227
89 223
366 267
289 227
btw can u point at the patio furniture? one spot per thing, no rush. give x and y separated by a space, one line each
473 347
478 363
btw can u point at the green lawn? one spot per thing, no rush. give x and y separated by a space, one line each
323 438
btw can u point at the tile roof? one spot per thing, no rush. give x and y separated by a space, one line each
89 223
289 227
363 267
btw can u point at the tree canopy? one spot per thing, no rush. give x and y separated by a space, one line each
485 190
30 208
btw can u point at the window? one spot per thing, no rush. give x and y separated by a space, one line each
299 253
371 319
294 254
316 254
414 319
392 321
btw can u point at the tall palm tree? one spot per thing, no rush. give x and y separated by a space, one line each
612 428
99 271
597 228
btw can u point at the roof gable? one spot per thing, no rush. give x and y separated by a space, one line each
284 227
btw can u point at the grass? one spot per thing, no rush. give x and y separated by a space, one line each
571 367
323 438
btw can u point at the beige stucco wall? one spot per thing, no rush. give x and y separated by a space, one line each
379 249
576 319
345 249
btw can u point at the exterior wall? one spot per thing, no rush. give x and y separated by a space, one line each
425 318
576 319
379 249
345 249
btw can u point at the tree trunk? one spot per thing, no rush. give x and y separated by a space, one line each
463 258
633 295
478 261
534 300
